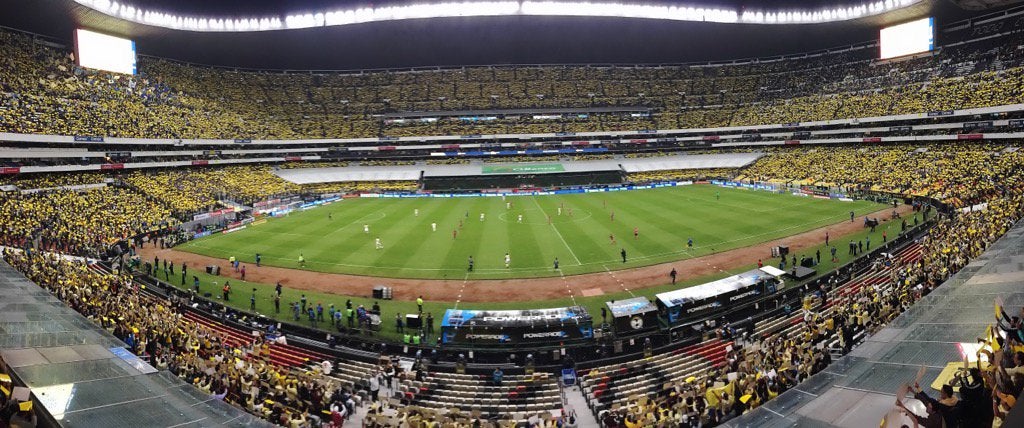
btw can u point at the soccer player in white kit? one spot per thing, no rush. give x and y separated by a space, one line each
433 227
416 212
508 260
378 244
481 216
520 218
366 228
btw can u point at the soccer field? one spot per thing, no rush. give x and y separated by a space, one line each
332 237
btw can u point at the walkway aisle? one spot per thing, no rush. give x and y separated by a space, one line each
357 420
574 400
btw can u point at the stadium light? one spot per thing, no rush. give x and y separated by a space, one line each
339 17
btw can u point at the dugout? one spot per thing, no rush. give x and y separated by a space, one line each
631 316
515 327
692 303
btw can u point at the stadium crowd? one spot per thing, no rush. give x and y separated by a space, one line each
192 190
764 366
679 174
77 222
959 174
44 92
157 330
760 367
49 181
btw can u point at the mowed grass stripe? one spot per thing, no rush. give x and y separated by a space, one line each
342 241
666 218
456 257
586 236
628 215
552 219
411 239
654 223
524 239
318 225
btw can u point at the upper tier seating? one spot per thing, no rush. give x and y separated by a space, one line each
43 92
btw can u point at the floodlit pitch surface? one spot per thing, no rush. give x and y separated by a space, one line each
332 238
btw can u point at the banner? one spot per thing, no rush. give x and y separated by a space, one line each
515 326
754 186
318 202
522 169
76 188
982 124
233 228
88 139
206 215
267 202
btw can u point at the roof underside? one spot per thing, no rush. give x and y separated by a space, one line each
468 41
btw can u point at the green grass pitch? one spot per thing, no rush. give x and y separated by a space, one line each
332 238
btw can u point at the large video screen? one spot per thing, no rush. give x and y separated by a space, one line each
103 52
908 38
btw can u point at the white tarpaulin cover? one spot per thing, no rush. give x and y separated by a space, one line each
711 289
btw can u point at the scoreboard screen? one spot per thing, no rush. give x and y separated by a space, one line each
103 52
907 39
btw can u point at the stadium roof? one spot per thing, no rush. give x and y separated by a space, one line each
460 41
264 7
